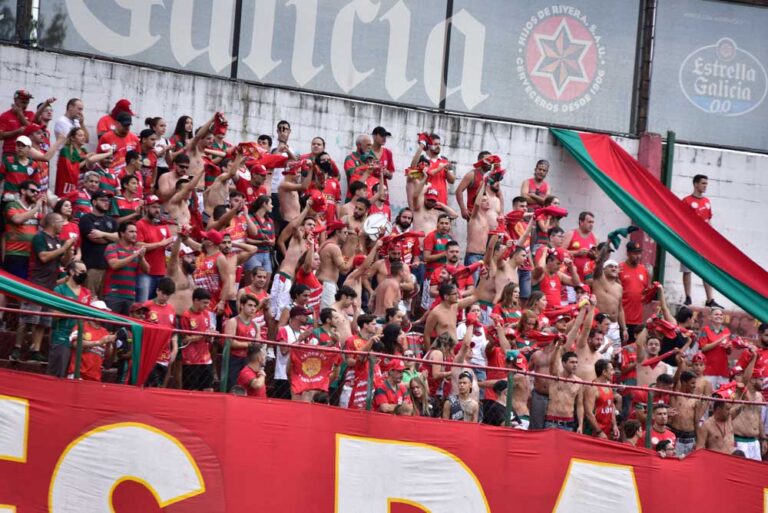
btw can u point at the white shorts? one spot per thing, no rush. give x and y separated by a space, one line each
751 448
329 294
280 295
614 335
524 423
426 298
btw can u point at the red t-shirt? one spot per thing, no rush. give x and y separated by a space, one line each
437 180
250 191
316 289
701 206
130 142
8 123
150 233
436 243
386 394
375 209
578 241
495 357
634 280
628 356
105 125
716 358
163 315
244 379
657 437
196 353
552 287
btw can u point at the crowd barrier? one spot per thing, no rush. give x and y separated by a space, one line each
221 353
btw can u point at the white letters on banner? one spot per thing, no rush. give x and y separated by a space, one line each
396 76
259 60
302 66
220 36
91 467
343 43
106 40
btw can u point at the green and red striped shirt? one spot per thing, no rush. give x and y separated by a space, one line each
15 173
18 237
121 282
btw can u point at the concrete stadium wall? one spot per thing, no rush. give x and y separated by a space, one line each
253 110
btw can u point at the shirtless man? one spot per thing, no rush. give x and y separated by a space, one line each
332 262
683 425
443 318
716 433
289 189
563 395
648 346
426 208
540 363
388 293
478 228
588 344
347 306
178 204
495 204
297 234
703 386
181 268
599 407
361 267
194 151
606 286
217 193
748 429
354 244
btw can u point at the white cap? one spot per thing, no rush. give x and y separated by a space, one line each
101 305
610 262
23 139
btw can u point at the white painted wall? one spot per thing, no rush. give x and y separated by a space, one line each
738 189
736 185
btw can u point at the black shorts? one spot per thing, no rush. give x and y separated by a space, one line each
197 377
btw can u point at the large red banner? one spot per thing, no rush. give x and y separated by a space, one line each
69 446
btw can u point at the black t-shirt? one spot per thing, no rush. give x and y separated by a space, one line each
93 253
494 413
44 273
668 344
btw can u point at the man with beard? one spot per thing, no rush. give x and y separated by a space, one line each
634 279
354 244
471 183
332 262
580 240
178 204
648 346
440 171
435 253
427 209
153 236
410 244
588 344
535 190
97 230
181 269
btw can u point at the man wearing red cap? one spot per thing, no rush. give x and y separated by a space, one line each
427 208
698 365
154 235
122 139
255 185
108 122
13 121
332 262
392 391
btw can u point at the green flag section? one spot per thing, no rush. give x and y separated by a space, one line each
671 223
149 339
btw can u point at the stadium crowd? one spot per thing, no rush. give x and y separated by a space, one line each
268 241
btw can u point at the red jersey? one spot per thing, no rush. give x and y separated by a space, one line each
701 206
247 330
250 191
578 241
388 394
634 281
129 142
10 122
761 365
717 357
148 171
474 187
207 276
244 379
259 317
237 230
150 233
332 190
604 409
437 179
657 437
360 383
410 249
162 315
105 124
539 189
70 230
495 357
552 287
627 357
436 243
196 353
315 287
92 359
122 172
384 209
436 385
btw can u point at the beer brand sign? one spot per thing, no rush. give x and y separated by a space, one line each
723 79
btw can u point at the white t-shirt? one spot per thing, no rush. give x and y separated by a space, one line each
284 334
64 125
277 176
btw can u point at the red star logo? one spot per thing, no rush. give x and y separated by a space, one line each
561 59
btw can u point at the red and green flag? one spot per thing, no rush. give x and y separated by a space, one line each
671 223
149 339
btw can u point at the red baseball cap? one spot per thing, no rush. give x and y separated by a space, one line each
22 93
152 199
699 357
31 129
396 364
214 236
258 169
124 105
431 194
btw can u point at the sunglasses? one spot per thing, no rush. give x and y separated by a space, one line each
34 191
